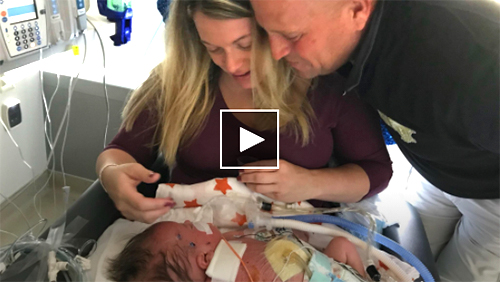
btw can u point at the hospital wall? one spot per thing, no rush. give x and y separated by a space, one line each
127 66
85 138
29 134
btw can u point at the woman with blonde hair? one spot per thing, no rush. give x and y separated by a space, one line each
217 58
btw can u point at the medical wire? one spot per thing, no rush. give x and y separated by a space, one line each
26 163
63 146
294 223
239 257
154 36
37 248
285 209
360 230
65 116
68 109
48 132
66 276
17 208
289 257
29 231
103 81
48 135
39 209
66 112
208 204
44 100
71 89
49 139
9 233
19 149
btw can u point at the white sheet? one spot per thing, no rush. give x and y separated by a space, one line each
220 210
114 238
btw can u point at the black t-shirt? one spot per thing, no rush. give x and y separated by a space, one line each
431 69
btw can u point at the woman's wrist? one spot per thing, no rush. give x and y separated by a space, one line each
102 171
315 183
341 184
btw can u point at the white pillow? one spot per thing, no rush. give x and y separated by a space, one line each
116 236
110 244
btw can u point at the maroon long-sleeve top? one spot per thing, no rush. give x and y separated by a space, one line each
343 127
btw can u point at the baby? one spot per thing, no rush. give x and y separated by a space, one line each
170 251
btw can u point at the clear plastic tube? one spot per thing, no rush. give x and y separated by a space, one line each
36 253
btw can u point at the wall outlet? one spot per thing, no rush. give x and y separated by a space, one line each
11 112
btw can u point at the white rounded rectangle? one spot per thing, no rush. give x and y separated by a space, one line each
225 264
251 139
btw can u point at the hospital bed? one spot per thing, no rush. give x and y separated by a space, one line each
96 207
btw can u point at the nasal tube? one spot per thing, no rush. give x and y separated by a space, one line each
293 222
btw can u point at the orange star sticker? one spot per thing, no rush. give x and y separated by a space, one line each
171 184
240 219
191 204
222 185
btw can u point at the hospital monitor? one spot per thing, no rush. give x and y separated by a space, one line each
23 27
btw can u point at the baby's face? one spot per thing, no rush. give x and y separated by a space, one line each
190 248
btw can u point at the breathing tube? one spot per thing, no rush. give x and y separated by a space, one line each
361 231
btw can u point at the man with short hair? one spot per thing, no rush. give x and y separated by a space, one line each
431 69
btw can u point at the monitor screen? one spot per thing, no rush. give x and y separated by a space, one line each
22 10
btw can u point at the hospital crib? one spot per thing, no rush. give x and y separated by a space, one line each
98 209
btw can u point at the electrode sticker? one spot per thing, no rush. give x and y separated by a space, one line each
203 227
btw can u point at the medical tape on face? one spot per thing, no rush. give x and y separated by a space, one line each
202 227
225 264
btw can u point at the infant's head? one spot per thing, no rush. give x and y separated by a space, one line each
166 251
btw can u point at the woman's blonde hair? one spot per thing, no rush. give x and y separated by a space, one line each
276 86
180 90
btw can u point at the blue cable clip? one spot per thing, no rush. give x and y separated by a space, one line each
119 12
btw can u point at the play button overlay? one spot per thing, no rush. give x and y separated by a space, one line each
249 139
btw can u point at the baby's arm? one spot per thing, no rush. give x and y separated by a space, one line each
344 251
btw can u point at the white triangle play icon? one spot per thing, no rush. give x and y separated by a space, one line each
248 139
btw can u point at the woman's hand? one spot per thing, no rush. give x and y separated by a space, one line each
288 184
120 181
347 183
